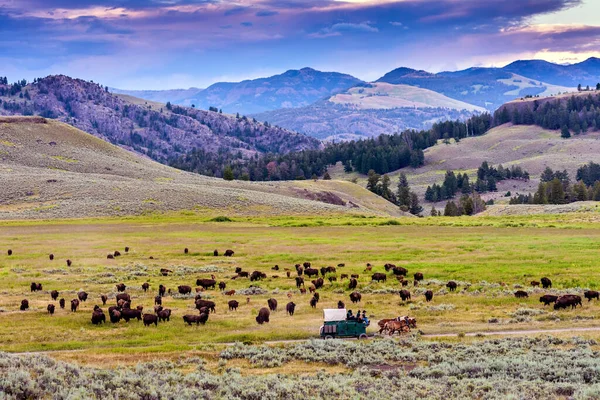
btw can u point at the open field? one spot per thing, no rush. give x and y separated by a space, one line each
489 263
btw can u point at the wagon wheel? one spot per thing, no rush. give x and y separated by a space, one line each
362 336
328 337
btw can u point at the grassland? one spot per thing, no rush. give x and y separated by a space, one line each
489 257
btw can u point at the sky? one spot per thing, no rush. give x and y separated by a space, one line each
166 44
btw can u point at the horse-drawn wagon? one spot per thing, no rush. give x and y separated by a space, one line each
335 325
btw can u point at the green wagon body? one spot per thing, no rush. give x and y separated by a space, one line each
334 326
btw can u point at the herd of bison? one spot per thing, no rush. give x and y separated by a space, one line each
122 309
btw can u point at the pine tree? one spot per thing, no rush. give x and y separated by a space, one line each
564 132
433 212
228 173
403 193
415 207
373 181
451 210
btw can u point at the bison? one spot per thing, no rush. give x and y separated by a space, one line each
165 271
399 271
257 276
82 296
206 283
521 294
123 296
355 297
233 305
547 299
566 301
343 276
158 300
35 286
162 290
534 283
186 251
117 253
126 249
164 314
272 304
69 263
145 286
205 303
121 287
428 295
299 282
184 289
110 257
54 294
404 295
318 283
353 284
290 308
263 316
10 252
222 286
104 298
51 257
192 319
98 317
341 304
74 305
216 253
591 294
50 309
61 303
128 313
114 315
378 276
24 305
313 302
418 276
451 286
311 272
546 283
229 253
150 319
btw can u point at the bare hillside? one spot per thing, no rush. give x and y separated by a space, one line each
49 169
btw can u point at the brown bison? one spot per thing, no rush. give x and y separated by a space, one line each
51 257
299 282
546 283
126 249
10 252
222 286
275 268
192 319
534 283
114 315
205 303
233 305
54 294
110 257
290 308
313 302
121 287
230 292
50 309
243 274
451 286
399 271
353 284
117 253
98 317
229 253
123 296
354 276
355 297
158 300
591 294
150 319
341 304
306 265
184 289
74 305
404 295
318 283
521 294
24 305
162 290
311 272
82 296
35 286
145 286
567 300
418 276
257 276
263 315
104 298
61 303
343 276
216 253
428 295
165 272
547 299
387 266
206 283
164 314
378 276
69 263
128 313
272 303
186 251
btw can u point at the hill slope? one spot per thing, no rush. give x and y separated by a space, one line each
293 88
584 73
50 169
148 128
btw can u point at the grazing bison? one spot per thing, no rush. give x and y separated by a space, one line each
82 296
311 272
121 287
299 282
233 305
378 276
275 268
399 271
222 286
61 303
98 317
591 294
51 256
145 286
353 284
104 298
387 266
332 279
128 313
451 286
263 315
123 296
110 257
24 305
74 305
313 302
184 289
162 290
355 297
343 276
290 308
158 300
229 253
117 253
546 283
257 276
50 309
341 304
164 314
547 299
404 295
150 319
114 315
418 276
165 271
69 262
192 319
567 300
243 274
54 294
428 295
230 292
205 303
318 283
534 283
272 304
10 252
521 294
354 276
35 286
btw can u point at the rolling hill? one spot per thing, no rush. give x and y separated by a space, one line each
49 169
585 73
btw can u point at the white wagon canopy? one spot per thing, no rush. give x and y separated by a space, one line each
334 314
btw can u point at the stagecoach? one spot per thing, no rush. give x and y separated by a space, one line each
335 325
